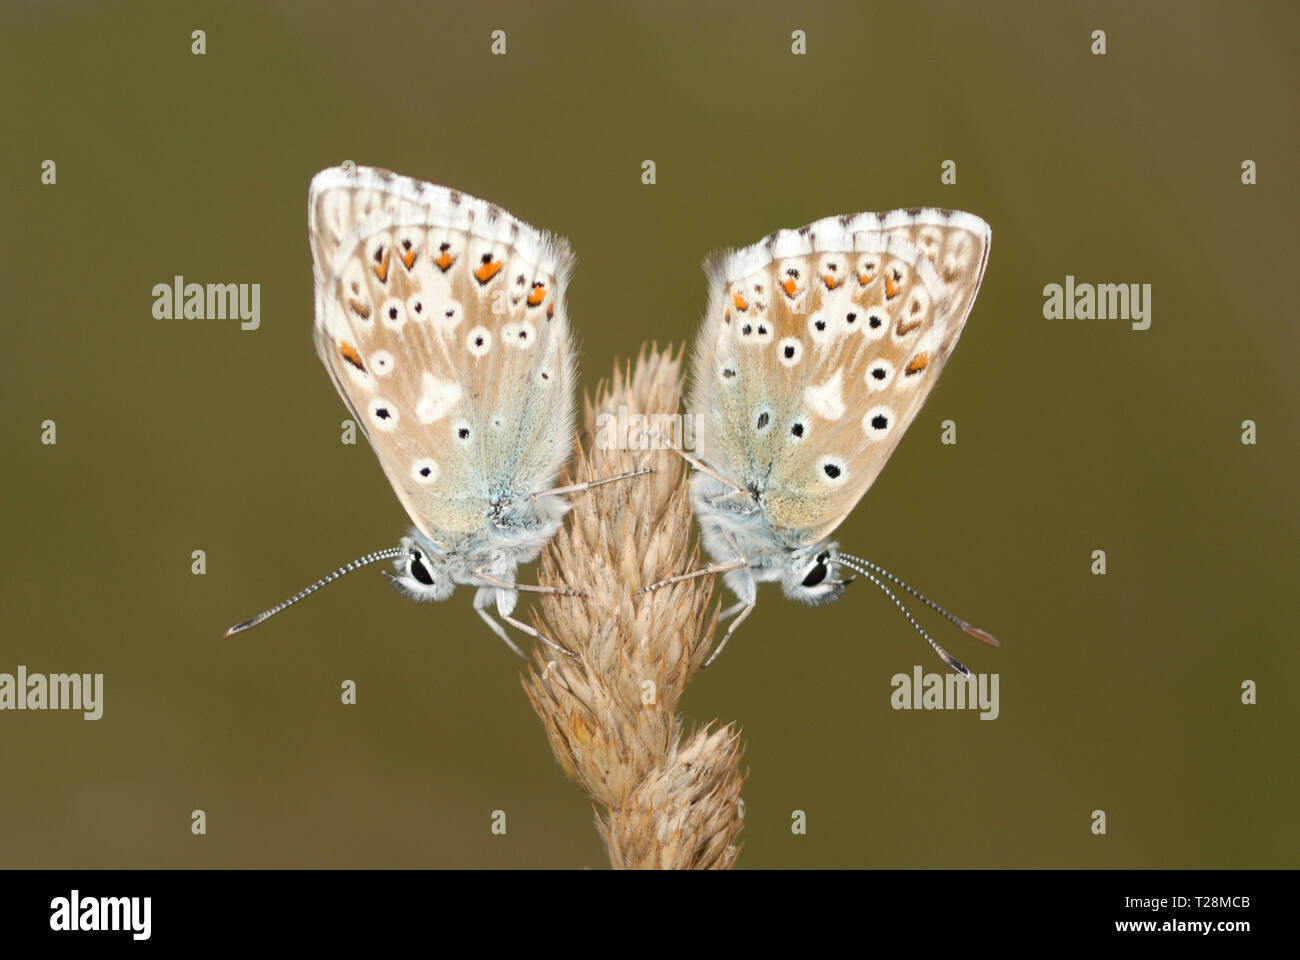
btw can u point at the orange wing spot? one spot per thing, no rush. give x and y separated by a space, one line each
444 261
830 281
891 288
488 270
741 303
408 258
864 278
919 363
905 328
360 309
550 310
349 353
381 270
790 287
537 296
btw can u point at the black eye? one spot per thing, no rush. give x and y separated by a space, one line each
816 575
419 570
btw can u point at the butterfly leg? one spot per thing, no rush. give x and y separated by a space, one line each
506 600
699 465
505 606
709 569
481 574
748 609
587 485
695 462
495 627
525 628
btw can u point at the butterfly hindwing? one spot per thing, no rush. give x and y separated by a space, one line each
818 350
441 321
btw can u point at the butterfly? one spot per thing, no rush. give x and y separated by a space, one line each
818 349
441 321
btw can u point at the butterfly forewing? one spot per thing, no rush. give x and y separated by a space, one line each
436 313
819 348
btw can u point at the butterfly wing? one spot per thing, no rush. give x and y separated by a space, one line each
820 346
441 321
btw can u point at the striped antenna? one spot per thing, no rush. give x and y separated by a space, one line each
865 568
966 625
390 554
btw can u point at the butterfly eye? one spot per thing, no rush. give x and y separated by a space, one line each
419 570
817 574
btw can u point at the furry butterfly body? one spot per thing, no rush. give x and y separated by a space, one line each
819 347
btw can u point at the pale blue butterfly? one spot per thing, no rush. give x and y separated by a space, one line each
441 321
818 349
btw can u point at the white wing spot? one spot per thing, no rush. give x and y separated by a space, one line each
448 315
436 398
755 331
819 327
392 313
520 336
879 375
825 399
878 423
381 361
877 324
833 471
424 470
479 341
929 240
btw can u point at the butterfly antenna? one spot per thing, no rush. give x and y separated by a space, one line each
944 655
389 554
970 628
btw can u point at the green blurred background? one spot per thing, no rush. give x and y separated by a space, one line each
1119 693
